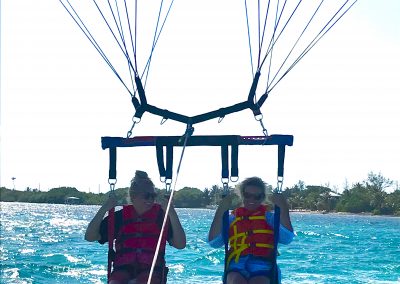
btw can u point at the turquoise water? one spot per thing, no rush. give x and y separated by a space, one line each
43 243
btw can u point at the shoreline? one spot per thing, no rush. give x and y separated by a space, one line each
303 211
338 213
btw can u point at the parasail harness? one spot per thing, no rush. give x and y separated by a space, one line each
164 146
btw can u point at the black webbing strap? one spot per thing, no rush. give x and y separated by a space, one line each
160 160
281 160
224 162
235 161
170 158
234 173
112 172
165 170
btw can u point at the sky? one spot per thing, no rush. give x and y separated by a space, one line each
58 98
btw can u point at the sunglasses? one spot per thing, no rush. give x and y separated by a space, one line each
247 195
149 195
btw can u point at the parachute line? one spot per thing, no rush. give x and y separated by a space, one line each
116 18
155 39
263 34
125 52
317 38
297 41
249 38
273 39
272 43
121 33
74 15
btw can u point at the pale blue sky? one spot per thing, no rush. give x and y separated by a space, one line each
341 102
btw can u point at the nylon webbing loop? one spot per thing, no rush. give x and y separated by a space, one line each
160 160
169 161
253 88
141 106
112 172
140 90
224 162
165 170
234 162
281 160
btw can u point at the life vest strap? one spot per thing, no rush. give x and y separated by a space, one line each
239 250
245 234
241 218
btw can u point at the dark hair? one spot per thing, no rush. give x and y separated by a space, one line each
253 181
140 182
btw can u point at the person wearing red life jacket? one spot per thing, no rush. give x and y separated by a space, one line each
250 257
137 228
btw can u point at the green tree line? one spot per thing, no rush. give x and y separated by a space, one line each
368 196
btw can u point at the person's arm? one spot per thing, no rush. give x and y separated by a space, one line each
178 239
93 230
178 236
216 224
280 201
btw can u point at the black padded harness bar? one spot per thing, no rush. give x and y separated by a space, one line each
141 106
223 141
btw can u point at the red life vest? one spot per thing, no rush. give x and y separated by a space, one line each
250 234
137 238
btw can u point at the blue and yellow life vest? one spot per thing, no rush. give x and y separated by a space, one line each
250 234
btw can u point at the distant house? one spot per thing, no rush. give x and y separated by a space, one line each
72 200
334 194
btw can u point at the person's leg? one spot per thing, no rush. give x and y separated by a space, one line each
259 280
259 270
234 277
143 277
119 277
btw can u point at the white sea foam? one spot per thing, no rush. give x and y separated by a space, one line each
48 239
99 272
63 222
177 268
73 259
27 251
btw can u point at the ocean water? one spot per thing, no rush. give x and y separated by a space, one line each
43 243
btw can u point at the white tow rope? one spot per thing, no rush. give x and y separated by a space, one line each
153 264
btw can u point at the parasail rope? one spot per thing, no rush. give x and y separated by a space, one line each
121 34
297 41
273 42
248 35
74 15
187 134
263 34
155 40
112 32
317 38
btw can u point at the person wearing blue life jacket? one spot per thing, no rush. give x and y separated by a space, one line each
251 246
137 227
